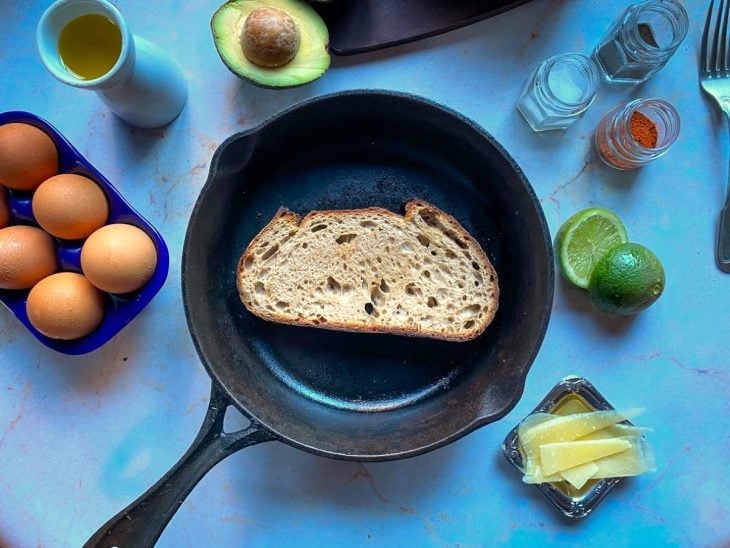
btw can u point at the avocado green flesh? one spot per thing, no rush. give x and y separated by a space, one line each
310 62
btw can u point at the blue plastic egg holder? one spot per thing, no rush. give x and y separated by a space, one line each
120 309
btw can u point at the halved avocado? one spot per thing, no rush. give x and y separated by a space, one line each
310 61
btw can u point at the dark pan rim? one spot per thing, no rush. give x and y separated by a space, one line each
348 51
549 288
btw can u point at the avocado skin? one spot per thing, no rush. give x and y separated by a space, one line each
314 36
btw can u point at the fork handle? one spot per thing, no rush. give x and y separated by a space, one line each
723 238
722 252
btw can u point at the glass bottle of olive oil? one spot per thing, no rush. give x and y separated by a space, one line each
90 46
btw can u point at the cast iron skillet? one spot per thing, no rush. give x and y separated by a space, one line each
358 26
344 395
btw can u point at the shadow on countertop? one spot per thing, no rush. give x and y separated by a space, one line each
579 301
290 478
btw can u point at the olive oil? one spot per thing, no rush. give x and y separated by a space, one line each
90 46
571 404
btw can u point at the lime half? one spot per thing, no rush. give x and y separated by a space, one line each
584 239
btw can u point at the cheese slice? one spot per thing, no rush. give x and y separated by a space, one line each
533 420
542 428
572 427
579 475
539 477
636 460
530 453
617 431
555 457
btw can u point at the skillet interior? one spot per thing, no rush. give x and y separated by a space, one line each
368 397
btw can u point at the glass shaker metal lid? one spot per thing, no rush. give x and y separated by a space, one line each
559 91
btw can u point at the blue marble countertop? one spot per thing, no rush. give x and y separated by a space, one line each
81 437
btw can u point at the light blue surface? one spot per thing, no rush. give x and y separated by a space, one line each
82 437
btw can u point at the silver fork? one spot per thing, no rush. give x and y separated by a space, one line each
715 80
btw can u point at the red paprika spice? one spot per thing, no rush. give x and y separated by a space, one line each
636 133
643 130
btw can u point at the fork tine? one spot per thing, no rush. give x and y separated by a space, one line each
723 61
705 47
715 57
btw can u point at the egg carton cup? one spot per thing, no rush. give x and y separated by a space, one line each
119 309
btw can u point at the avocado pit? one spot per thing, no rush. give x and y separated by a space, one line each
270 37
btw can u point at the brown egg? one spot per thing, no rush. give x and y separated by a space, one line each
4 208
118 258
65 306
27 156
70 206
27 255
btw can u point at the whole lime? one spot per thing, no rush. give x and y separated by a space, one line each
626 280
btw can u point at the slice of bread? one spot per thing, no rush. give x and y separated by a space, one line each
371 270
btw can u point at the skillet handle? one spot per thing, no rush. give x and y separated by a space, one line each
141 523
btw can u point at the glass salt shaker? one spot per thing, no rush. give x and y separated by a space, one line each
642 40
559 91
636 133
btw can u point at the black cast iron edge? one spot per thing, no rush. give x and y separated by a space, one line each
337 49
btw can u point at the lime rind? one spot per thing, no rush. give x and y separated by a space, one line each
584 239
627 280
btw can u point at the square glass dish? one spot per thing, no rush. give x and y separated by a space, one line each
570 395
119 309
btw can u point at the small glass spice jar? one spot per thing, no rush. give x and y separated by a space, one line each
636 133
559 91
642 40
